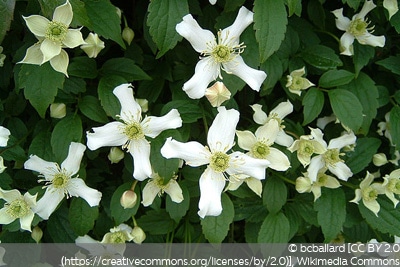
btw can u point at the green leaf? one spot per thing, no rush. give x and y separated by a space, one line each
81 216
347 108
178 210
156 222
67 130
395 125
294 7
59 227
274 229
151 90
91 108
41 84
316 13
362 155
334 78
108 100
313 103
215 228
104 20
362 55
189 111
232 5
124 67
162 20
41 146
80 16
391 63
274 194
7 12
331 208
270 20
83 67
387 219
321 57
274 69
120 214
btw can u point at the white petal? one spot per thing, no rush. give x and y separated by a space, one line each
367 180
140 151
342 23
107 135
205 72
268 132
282 109
391 6
357 196
193 153
153 126
26 221
298 72
260 117
253 77
284 139
63 13
316 164
48 203
211 185
5 218
37 24
191 31
221 133
322 122
73 161
303 184
73 38
255 185
243 164
367 7
316 190
174 191
130 109
4 136
340 170
33 55
9 195
246 140
234 184
371 40
319 137
391 196
331 182
60 62
372 206
346 41
48 169
78 188
50 49
150 191
342 141
278 160
243 19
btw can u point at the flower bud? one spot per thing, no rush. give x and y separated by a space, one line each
58 110
217 94
37 234
116 155
138 235
379 159
128 199
93 45
128 35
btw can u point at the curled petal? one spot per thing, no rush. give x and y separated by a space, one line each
391 6
150 192
130 109
240 164
60 62
78 188
37 24
367 7
174 191
140 151
194 153
255 185
268 132
346 42
278 160
243 19
63 13
4 136
73 38
9 195
246 140
211 185
260 117
26 221
282 109
222 131
107 135
153 126
372 205
340 170
316 164
33 55
357 197
342 141
48 169
372 40
342 23
73 160
284 139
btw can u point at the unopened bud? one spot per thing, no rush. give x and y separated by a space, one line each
128 35
217 94
93 45
116 155
128 199
138 235
37 234
379 159
58 110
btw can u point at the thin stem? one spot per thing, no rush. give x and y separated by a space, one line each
285 179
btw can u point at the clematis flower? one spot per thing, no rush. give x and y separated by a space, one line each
277 113
93 45
357 28
59 182
131 131
368 193
331 157
304 183
384 128
254 184
219 163
391 6
4 136
118 234
307 145
17 207
296 83
53 36
391 185
260 144
157 186
217 94
218 53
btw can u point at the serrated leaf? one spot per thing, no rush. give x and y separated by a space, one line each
274 194
215 228
162 19
83 67
41 146
273 67
274 229
59 227
347 108
334 78
151 90
178 210
80 16
391 63
395 125
362 55
270 21
363 152
313 103
189 111
7 12
321 57
81 216
124 67
91 108
294 7
108 100
331 208
104 20
67 130
40 84
120 214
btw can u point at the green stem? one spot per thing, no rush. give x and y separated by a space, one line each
330 34
285 179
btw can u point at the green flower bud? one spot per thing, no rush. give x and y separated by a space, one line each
138 235
58 110
128 35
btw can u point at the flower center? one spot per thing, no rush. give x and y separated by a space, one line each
260 150
394 186
219 161
322 179
221 53
369 194
56 31
133 130
18 208
306 148
117 237
332 156
298 83
60 180
358 27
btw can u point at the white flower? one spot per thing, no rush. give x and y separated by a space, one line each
53 36
130 132
277 113
391 6
304 184
156 186
93 45
220 140
217 94
4 136
357 28
260 144
392 186
17 207
331 157
218 53
369 192
118 234
59 182
384 128
296 83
